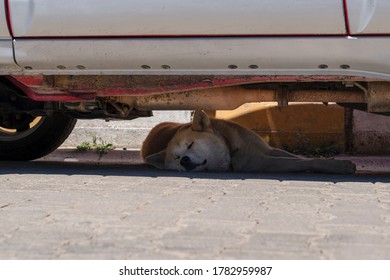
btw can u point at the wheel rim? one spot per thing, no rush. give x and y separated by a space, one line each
8 134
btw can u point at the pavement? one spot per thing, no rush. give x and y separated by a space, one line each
86 205
73 205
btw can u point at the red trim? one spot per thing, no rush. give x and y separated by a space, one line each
8 17
54 95
371 35
346 18
197 36
168 36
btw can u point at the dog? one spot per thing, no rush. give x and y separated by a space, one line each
208 144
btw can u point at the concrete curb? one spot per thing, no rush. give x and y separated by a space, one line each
118 157
122 134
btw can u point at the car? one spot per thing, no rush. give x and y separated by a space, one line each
67 60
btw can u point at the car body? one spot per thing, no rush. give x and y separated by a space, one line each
123 59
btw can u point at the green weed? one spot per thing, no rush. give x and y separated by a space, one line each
98 145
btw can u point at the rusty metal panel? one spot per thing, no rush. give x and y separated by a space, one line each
67 88
378 97
229 98
370 134
177 93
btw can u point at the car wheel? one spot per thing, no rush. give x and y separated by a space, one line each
24 137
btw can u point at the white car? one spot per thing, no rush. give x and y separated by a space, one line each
64 60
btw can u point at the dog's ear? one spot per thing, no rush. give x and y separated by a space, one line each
201 122
157 159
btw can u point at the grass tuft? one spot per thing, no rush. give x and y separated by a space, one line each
98 145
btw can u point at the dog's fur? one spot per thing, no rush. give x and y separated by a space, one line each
217 145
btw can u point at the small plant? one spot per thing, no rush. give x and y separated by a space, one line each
104 148
85 146
306 149
98 145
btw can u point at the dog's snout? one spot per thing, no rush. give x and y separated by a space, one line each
188 164
185 161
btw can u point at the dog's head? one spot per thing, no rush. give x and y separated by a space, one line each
195 147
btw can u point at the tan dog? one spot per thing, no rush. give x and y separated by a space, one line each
218 145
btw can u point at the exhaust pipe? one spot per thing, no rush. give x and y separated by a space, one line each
229 98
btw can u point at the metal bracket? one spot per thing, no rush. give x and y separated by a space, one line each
282 96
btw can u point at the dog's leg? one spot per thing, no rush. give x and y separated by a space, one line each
274 152
286 164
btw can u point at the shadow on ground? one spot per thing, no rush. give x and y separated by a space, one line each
142 170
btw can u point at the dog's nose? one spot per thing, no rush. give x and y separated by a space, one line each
185 162
188 164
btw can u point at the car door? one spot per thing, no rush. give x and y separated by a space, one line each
7 62
58 18
369 16
171 36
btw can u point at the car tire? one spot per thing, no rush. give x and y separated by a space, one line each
37 140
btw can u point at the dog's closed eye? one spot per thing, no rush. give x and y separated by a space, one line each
190 145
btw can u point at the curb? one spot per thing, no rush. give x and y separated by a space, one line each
116 157
121 133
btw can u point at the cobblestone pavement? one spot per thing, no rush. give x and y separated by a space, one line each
68 210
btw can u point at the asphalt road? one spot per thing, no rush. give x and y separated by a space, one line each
72 210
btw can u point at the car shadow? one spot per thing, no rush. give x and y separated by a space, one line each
143 170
